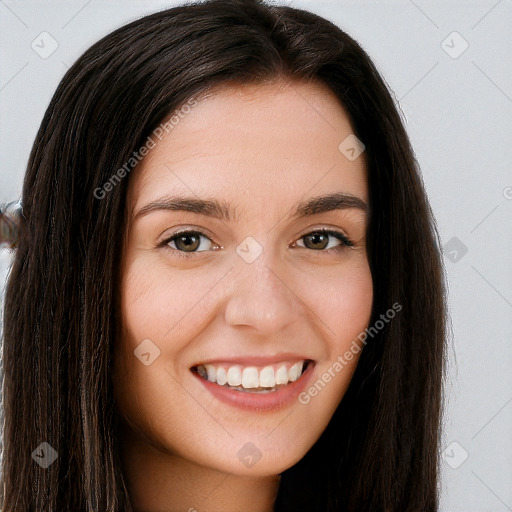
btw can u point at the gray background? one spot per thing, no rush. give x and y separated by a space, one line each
457 104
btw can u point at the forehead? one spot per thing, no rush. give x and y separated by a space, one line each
254 142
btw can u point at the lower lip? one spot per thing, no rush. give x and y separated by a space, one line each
271 401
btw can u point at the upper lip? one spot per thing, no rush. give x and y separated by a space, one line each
254 360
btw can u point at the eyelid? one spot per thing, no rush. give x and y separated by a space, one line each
335 233
187 230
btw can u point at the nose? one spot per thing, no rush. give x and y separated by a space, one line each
261 296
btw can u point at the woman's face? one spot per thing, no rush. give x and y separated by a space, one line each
231 333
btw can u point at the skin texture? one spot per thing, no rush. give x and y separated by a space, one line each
260 149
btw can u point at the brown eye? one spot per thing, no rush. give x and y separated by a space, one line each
187 242
320 240
316 241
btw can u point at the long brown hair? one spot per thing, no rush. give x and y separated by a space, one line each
380 450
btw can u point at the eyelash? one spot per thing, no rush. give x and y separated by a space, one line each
345 241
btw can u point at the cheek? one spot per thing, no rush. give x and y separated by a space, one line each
163 304
354 304
342 300
159 311
345 309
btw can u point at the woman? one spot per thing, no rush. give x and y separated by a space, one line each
296 361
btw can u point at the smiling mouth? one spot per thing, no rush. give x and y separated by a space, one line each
252 379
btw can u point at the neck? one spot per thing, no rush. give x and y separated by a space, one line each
163 482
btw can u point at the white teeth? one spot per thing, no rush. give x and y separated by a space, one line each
211 372
282 375
234 376
250 377
221 376
267 379
295 371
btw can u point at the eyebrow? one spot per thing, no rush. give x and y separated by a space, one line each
221 210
